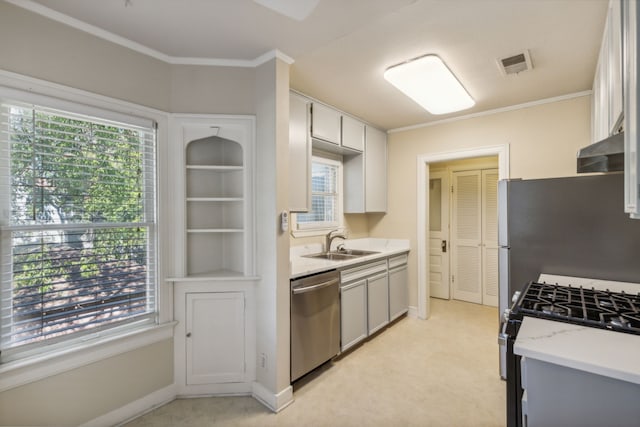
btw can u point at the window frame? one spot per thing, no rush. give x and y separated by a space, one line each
54 359
322 227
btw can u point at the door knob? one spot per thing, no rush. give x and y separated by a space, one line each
443 246
188 334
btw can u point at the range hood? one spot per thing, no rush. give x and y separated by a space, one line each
603 156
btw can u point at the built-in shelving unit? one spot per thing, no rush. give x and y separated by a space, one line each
217 211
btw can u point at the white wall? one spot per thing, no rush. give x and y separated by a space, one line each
543 143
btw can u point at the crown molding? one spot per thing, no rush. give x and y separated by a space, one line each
494 111
130 44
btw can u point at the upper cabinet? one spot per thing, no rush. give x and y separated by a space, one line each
363 149
299 153
352 133
632 112
325 124
607 101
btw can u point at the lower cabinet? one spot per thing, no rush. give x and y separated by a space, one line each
353 312
378 302
214 341
215 347
398 287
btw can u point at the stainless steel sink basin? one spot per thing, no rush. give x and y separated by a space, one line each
342 255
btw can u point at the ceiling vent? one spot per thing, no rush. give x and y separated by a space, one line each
515 64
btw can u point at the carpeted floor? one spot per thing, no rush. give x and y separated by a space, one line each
440 372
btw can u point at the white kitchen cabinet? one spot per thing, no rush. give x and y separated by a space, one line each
365 176
632 111
607 101
377 302
375 170
215 351
214 341
398 286
353 133
299 153
353 312
326 123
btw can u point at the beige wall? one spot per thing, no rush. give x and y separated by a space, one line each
39 47
212 90
80 395
543 142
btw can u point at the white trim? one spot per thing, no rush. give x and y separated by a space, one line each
145 50
413 312
35 368
494 111
422 177
276 402
135 409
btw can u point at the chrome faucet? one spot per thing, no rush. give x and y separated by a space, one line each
329 238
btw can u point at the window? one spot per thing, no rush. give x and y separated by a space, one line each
326 186
78 225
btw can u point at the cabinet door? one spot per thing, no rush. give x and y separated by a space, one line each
614 27
353 312
375 171
631 110
352 133
299 154
398 292
215 332
378 302
325 123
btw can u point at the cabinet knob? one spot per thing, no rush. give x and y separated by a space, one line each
188 334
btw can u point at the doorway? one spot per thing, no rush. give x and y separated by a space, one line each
422 176
463 244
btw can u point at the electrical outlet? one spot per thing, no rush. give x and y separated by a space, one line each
263 360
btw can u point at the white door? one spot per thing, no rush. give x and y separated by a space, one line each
439 234
215 330
466 236
490 237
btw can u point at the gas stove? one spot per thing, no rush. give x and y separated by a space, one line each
618 311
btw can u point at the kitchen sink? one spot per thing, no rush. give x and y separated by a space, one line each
341 255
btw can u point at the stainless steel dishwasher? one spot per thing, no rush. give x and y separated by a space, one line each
315 321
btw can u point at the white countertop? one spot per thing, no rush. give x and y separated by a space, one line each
301 266
599 351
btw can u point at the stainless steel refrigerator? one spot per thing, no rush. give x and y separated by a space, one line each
573 226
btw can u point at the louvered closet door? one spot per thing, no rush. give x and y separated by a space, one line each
466 236
490 237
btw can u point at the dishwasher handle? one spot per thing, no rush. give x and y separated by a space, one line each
311 288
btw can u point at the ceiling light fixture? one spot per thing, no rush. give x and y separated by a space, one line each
429 82
294 9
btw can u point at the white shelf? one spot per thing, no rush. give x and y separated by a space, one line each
216 168
215 230
215 199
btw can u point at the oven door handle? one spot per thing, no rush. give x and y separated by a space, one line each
502 329
311 288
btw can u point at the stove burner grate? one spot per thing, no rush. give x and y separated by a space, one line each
618 311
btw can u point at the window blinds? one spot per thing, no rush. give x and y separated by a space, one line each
78 224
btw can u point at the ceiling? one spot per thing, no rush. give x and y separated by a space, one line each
342 48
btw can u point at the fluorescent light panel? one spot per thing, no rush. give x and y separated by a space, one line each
429 82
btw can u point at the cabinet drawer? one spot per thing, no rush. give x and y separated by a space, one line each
399 260
362 271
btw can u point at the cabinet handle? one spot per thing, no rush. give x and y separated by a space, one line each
188 334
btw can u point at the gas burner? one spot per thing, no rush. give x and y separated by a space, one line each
605 304
620 322
554 309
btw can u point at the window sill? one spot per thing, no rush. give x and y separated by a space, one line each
29 369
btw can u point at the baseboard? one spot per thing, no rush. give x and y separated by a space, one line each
275 402
413 312
134 409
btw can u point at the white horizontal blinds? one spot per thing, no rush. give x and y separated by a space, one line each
78 247
324 194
